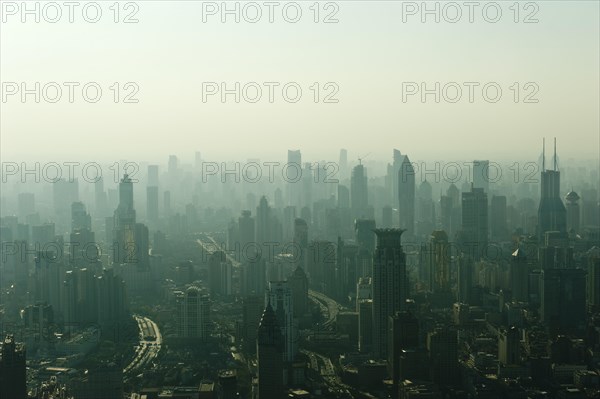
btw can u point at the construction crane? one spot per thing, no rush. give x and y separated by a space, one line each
363 157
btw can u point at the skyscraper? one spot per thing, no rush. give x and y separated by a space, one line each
252 309
270 349
359 195
573 211
263 222
519 276
194 314
124 246
425 209
299 286
481 175
390 285
509 346
365 236
26 205
465 278
247 233
563 298
443 354
552 215
293 177
279 296
593 283
439 262
343 165
498 227
152 175
406 195
152 205
474 222
12 370
80 219
404 334
220 274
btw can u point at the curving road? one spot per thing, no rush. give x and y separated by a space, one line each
211 245
331 306
148 348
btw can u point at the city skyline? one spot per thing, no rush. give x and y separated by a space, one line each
305 200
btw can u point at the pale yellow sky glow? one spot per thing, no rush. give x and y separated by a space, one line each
368 58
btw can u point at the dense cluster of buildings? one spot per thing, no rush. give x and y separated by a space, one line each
366 285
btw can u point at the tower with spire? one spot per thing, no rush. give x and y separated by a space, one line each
552 214
269 349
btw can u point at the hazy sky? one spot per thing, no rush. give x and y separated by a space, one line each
368 55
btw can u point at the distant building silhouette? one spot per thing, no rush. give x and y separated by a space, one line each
270 349
552 214
390 285
12 370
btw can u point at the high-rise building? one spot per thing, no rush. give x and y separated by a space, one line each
12 370
519 276
293 178
465 278
573 211
263 222
552 214
343 197
26 205
390 285
509 345
279 296
347 272
152 175
43 234
365 236
404 334
194 314
563 298
252 308
49 273
365 325
65 192
481 175
124 246
406 194
498 219
299 286
246 229
111 299
167 203
443 356
80 219
359 194
439 262
425 209
474 231
301 233
593 283
152 205
220 274
100 198
254 276
343 165
270 355
393 172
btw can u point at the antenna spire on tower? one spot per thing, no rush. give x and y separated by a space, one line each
555 153
543 154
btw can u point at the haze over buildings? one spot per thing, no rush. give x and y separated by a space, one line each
337 200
